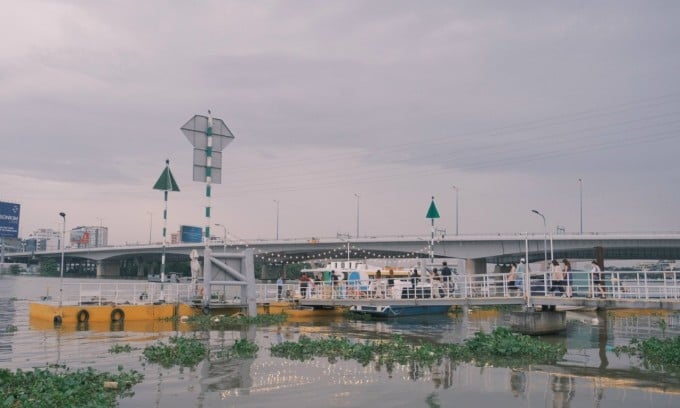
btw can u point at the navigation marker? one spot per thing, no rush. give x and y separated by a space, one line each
166 182
432 213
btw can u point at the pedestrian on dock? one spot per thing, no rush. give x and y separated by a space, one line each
598 281
279 287
566 268
304 284
512 277
558 281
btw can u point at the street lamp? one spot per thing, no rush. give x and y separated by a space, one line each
61 271
580 193
277 219
456 188
150 224
224 240
545 237
357 196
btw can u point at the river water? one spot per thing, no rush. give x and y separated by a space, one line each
590 375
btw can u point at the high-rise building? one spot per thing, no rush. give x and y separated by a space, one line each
45 239
89 237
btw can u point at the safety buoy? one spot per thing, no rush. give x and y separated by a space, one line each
117 315
83 316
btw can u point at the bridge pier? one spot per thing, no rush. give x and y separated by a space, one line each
108 269
536 323
475 266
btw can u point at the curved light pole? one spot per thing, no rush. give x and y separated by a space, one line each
277 219
61 271
580 193
224 240
456 187
545 238
357 196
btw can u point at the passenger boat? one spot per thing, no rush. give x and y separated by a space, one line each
395 310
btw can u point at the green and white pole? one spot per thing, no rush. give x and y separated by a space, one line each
208 178
166 182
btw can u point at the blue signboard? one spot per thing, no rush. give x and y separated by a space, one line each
191 234
9 219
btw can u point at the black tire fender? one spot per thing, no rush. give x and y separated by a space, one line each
117 315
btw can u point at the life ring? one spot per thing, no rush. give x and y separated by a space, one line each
117 315
83 316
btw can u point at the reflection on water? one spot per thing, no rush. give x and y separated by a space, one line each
589 375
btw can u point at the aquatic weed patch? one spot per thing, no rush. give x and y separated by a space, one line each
58 386
242 348
120 348
203 322
504 344
658 354
502 347
181 351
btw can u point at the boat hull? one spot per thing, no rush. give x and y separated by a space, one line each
399 310
72 314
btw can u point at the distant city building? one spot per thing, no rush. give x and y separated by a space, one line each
174 238
44 239
89 237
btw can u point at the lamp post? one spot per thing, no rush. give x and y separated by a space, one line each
224 240
456 188
277 219
580 194
61 270
357 196
545 237
150 224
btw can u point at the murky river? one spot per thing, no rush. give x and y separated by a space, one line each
590 375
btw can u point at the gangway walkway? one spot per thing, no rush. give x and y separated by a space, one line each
629 290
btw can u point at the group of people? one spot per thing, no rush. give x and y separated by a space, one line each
560 279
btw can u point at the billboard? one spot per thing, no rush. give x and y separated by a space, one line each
191 234
9 219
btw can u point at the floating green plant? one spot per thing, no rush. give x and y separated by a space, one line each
58 386
657 354
208 322
501 347
242 348
120 348
181 351
10 328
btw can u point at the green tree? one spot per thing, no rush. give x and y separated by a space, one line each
15 269
49 268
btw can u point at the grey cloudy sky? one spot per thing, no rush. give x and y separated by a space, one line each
396 101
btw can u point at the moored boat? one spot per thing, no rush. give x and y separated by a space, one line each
399 310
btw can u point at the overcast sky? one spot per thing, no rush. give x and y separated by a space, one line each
396 101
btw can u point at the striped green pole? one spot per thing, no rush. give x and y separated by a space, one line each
208 178
166 182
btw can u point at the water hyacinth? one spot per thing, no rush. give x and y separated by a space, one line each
181 351
656 354
58 386
501 347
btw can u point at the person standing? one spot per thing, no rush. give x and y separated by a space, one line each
557 278
598 282
521 271
304 283
279 287
512 277
446 277
566 268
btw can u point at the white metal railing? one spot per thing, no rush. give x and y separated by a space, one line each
636 285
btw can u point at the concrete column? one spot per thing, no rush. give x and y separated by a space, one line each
248 291
475 266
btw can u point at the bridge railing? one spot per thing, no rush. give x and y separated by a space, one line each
633 285
641 285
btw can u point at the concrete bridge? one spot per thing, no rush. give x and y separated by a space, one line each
476 250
